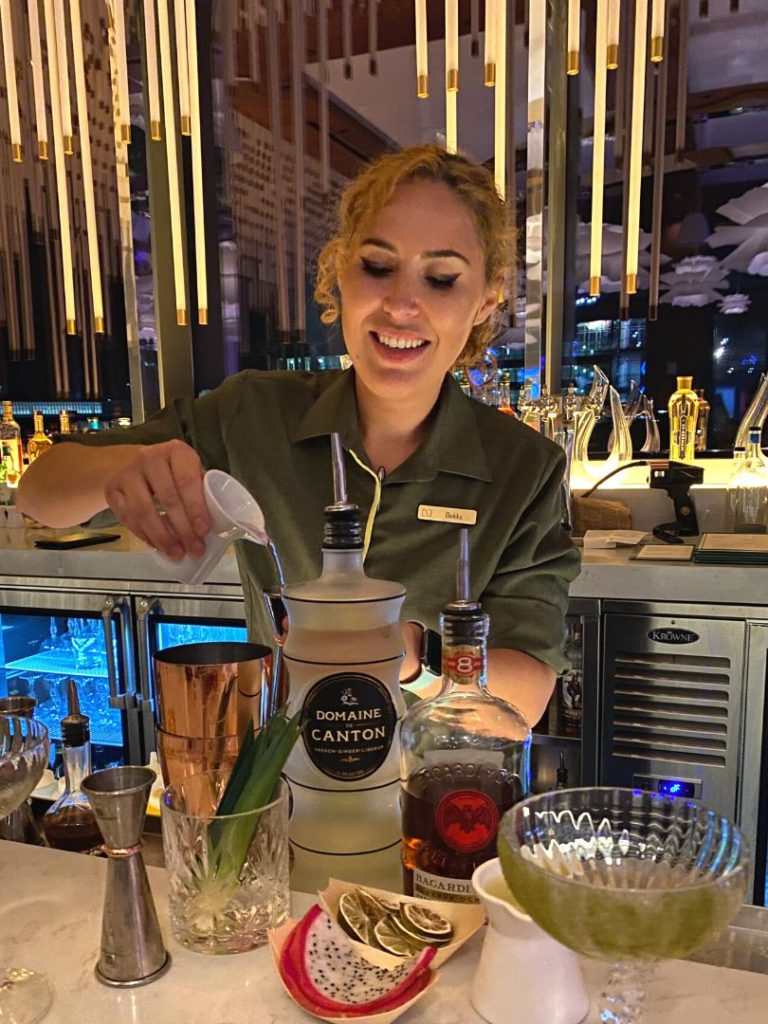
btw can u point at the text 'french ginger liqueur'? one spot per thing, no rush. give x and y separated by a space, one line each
343 654
465 761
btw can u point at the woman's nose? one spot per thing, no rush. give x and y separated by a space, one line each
400 300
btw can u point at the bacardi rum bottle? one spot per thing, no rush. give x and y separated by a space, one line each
465 760
342 654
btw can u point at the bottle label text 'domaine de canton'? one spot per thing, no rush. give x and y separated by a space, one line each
349 725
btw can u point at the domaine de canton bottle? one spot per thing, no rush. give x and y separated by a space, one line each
465 760
343 655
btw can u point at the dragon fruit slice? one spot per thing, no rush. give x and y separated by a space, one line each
326 976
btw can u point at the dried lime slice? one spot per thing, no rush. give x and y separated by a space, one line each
374 907
391 938
354 918
426 922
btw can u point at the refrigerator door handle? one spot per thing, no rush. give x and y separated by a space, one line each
114 609
146 608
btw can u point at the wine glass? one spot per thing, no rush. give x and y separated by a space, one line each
625 876
24 995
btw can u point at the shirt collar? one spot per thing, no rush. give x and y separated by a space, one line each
453 444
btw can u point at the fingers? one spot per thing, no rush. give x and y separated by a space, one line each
169 473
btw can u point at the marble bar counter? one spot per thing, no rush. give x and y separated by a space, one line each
610 574
50 918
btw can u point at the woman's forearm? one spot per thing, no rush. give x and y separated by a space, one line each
65 485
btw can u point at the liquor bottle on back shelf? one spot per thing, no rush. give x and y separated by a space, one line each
11 450
571 682
683 412
39 441
342 654
702 421
465 760
64 424
69 823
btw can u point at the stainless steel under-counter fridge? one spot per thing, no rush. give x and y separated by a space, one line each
684 711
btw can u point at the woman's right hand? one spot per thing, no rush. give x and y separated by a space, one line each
168 473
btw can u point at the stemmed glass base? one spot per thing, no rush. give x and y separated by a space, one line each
622 1000
25 996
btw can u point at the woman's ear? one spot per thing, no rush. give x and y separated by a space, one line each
489 303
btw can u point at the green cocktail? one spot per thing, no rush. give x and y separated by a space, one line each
623 875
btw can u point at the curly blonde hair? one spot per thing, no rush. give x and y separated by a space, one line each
472 183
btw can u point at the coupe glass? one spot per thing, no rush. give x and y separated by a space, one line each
24 995
625 876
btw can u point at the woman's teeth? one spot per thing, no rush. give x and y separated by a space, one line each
392 342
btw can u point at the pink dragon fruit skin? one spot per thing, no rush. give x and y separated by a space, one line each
327 977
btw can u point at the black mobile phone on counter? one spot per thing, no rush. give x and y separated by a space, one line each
75 539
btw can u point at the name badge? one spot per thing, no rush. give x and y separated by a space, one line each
442 514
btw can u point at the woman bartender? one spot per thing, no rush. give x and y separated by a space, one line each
414 273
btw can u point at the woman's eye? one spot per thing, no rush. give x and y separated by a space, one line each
375 269
442 283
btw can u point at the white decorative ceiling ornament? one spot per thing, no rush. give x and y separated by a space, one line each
738 302
611 263
695 281
749 235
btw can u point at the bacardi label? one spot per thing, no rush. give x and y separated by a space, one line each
467 820
435 887
349 724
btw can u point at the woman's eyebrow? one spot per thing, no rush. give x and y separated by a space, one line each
431 254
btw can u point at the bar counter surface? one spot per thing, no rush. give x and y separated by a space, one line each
608 573
50 921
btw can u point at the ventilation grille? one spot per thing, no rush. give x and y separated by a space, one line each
671 707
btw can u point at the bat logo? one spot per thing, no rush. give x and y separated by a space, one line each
467 820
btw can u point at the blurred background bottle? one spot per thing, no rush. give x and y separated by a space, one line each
746 497
11 450
571 682
39 441
702 421
683 412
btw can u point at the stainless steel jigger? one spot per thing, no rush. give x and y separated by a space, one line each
132 950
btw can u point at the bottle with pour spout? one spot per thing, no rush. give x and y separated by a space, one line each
465 760
342 654
69 823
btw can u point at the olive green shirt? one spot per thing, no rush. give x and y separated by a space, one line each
271 431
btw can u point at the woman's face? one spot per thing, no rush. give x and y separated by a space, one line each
412 291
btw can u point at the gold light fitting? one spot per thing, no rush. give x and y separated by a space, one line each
574 33
657 30
420 13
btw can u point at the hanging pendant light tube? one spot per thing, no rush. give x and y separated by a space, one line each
198 194
298 58
346 31
660 132
9 58
574 34
182 65
500 103
65 235
490 43
373 36
422 81
38 85
614 28
172 160
657 30
322 56
682 80
598 148
636 143
124 106
451 74
276 128
452 45
153 73
63 62
474 27
92 231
